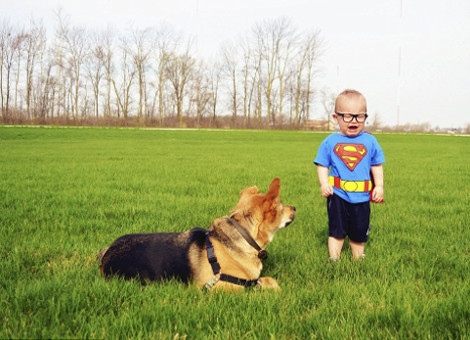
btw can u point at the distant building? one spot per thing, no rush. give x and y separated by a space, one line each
320 125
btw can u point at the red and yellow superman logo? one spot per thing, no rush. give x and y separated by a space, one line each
350 154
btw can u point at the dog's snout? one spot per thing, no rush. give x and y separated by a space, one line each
294 208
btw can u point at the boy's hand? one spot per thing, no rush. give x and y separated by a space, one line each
325 186
378 194
326 190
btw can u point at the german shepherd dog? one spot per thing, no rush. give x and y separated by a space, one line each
226 256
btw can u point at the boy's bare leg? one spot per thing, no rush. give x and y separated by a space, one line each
334 247
357 249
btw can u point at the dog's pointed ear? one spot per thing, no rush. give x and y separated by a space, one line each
251 190
242 210
274 189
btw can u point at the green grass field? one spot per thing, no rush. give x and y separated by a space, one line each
65 193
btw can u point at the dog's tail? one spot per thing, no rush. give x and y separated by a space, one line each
101 254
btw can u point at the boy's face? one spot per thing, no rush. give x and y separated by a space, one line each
356 106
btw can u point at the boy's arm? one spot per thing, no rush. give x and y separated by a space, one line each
325 187
378 178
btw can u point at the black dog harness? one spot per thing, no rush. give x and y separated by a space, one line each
223 277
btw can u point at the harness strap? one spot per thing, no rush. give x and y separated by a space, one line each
211 256
216 270
262 254
237 281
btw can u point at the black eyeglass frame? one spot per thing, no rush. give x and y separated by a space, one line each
353 116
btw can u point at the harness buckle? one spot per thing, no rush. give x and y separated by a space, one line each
211 283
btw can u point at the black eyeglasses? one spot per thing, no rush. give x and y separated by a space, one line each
349 117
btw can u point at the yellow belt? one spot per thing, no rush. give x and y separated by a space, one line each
350 186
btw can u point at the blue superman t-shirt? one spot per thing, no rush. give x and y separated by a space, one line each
350 159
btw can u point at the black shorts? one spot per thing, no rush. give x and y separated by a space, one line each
348 219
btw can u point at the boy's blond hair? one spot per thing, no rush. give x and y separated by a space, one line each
350 95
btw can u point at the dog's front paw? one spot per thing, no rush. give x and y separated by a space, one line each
268 283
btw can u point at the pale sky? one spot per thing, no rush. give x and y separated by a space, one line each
362 40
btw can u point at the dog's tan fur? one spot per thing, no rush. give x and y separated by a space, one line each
262 215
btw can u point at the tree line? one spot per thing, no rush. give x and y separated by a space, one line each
153 76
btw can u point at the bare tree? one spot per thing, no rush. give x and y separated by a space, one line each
214 89
35 46
328 102
128 72
5 36
230 62
140 51
46 91
201 94
179 71
313 46
297 85
74 40
248 76
96 69
19 54
307 55
58 57
377 123
10 45
287 42
258 79
268 36
166 41
109 69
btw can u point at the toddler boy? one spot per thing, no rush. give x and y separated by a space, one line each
349 166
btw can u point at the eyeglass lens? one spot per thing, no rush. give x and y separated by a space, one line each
348 118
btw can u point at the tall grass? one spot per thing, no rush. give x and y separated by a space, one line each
67 193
